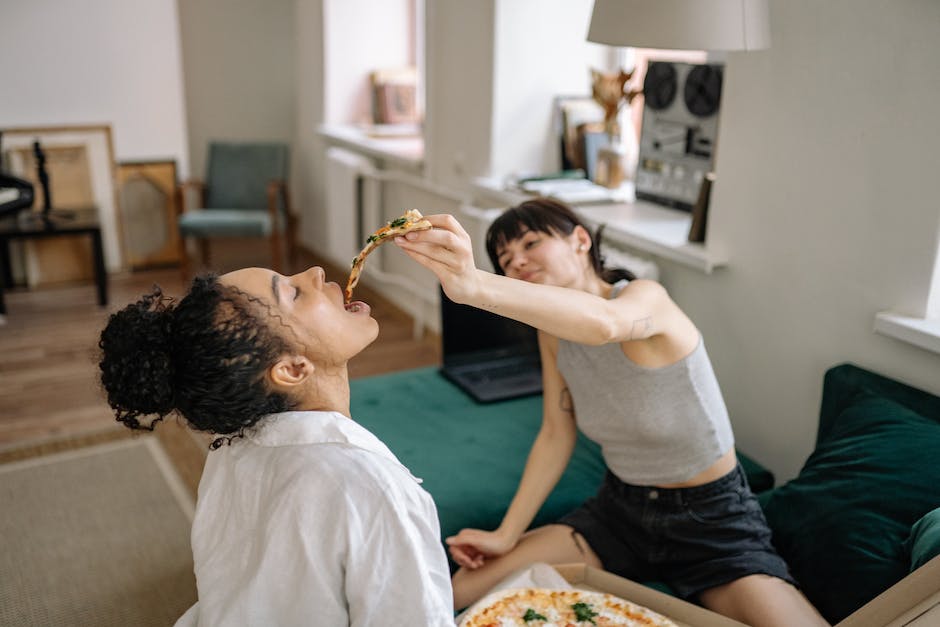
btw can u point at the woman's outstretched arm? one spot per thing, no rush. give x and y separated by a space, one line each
641 311
546 462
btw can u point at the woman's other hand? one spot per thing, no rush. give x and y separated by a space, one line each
446 251
471 547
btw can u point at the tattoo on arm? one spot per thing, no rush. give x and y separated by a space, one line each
565 402
641 328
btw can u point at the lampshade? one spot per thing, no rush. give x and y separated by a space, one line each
681 24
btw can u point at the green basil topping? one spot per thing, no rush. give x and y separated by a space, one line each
398 222
583 611
531 615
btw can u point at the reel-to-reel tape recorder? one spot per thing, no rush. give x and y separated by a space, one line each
679 132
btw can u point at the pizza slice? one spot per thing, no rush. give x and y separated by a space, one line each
411 220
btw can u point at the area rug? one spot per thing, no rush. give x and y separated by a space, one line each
95 536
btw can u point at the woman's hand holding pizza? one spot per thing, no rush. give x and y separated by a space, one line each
471 547
446 251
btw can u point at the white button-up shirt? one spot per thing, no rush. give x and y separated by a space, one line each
311 520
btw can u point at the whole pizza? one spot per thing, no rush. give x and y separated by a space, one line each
545 607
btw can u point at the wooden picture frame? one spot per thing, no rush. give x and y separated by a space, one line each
591 138
394 96
148 193
572 115
81 167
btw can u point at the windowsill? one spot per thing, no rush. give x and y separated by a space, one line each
653 229
405 151
922 332
639 225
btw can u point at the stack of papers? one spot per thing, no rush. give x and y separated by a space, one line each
573 191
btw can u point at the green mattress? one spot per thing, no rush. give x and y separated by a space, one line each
471 455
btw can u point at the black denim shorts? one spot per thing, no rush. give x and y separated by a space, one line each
690 538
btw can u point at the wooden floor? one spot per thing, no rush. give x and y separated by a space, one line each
50 397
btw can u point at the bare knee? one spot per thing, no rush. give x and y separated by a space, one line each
552 544
762 601
588 556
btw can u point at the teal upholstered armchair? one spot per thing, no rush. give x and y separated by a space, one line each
244 195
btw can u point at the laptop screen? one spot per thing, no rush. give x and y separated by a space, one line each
469 334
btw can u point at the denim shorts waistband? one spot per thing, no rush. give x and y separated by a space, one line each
676 495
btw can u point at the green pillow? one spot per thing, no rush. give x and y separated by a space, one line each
841 523
924 542
470 455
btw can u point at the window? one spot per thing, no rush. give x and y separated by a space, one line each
920 331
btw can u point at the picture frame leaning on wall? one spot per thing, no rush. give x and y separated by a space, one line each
81 167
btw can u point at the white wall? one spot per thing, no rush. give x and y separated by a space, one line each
493 68
111 62
238 67
459 89
360 36
309 165
826 203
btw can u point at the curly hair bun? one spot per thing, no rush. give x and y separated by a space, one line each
136 366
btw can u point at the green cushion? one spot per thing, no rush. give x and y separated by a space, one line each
924 542
238 173
225 223
759 478
471 456
841 522
843 384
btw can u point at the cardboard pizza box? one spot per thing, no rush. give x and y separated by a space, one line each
912 602
681 612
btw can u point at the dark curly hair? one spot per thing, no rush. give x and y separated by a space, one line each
544 215
204 357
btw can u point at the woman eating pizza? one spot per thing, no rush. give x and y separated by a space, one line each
303 516
624 364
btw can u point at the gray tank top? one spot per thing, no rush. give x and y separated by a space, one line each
655 426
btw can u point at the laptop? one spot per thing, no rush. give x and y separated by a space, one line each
489 357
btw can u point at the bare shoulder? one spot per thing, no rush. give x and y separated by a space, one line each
644 289
663 321
651 295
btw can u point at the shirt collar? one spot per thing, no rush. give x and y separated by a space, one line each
318 427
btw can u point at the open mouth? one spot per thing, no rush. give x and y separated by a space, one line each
357 307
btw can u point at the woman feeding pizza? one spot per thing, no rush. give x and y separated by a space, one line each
303 516
623 363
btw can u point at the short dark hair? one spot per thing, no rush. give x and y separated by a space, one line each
204 357
544 215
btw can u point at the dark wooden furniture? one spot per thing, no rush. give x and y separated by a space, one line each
30 225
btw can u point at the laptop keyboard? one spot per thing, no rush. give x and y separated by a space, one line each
496 373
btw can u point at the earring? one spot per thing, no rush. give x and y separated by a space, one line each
581 248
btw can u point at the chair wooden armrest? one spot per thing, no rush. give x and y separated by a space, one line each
187 189
286 229
275 187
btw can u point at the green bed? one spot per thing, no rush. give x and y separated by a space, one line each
471 456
